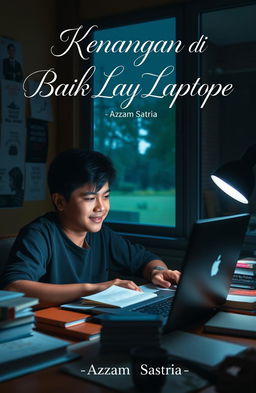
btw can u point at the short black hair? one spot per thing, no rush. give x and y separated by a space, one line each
74 168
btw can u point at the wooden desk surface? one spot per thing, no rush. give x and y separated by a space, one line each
52 380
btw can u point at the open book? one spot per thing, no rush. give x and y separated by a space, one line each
116 296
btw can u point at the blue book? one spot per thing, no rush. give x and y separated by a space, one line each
31 354
16 332
22 320
10 309
7 295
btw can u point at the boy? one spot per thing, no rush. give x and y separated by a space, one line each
68 253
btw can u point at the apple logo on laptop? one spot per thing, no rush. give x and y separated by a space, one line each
215 266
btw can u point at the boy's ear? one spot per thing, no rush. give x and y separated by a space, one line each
58 201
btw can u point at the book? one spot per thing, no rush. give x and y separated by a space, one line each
16 332
9 323
243 286
232 324
7 295
240 302
59 317
238 310
242 292
83 331
116 296
245 272
9 309
31 354
247 281
246 263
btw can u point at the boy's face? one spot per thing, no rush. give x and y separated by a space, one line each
86 209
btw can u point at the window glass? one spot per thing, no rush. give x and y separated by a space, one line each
227 123
139 135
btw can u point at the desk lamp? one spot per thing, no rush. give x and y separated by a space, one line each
236 178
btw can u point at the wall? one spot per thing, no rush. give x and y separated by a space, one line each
99 8
33 24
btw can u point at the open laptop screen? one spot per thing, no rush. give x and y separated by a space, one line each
213 249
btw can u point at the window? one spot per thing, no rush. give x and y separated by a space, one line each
140 136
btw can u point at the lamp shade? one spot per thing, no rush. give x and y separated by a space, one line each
236 178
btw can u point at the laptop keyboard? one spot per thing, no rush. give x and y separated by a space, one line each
159 308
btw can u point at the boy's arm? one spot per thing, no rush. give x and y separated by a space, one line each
54 294
135 259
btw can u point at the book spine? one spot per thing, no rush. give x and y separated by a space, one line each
238 310
6 313
244 292
245 265
245 272
243 286
243 277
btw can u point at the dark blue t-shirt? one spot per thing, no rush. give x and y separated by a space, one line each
42 252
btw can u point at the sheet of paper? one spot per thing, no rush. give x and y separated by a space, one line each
118 297
35 181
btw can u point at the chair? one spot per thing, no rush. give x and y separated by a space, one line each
6 242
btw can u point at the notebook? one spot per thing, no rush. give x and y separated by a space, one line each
232 324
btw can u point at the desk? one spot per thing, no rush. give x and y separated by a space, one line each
51 380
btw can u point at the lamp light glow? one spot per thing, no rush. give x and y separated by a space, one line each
228 189
236 178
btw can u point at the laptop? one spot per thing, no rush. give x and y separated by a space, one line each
213 249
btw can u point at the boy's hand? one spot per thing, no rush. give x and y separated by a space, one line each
126 284
94 288
165 278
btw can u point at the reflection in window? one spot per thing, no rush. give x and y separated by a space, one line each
140 139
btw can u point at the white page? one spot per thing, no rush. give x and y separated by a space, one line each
118 296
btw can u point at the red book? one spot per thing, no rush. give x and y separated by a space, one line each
59 317
246 263
245 292
83 331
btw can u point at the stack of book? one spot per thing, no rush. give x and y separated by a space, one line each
120 333
245 274
22 349
240 301
66 323
16 316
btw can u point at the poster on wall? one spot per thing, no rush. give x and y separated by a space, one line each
36 156
12 103
40 107
35 181
12 135
37 141
11 68
12 142
12 155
